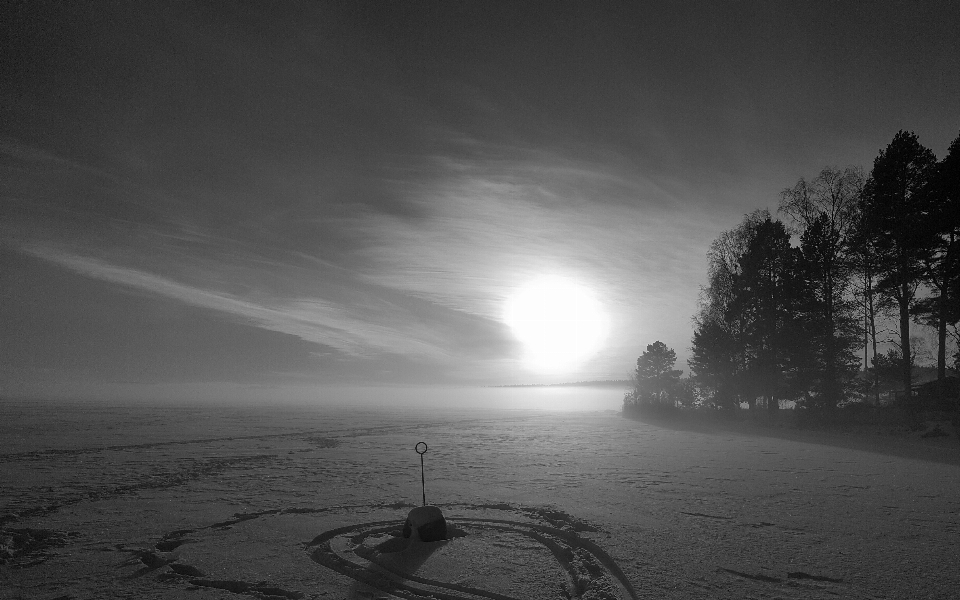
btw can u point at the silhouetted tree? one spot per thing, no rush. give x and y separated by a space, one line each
896 218
719 354
826 309
768 297
713 363
747 341
943 264
826 211
655 379
871 304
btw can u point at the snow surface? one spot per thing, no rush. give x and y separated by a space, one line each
176 501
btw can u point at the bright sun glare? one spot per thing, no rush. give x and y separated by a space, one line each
559 322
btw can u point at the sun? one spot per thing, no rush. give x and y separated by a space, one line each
560 323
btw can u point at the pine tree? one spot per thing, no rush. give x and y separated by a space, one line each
713 363
943 264
896 212
719 355
655 380
826 212
828 314
766 294
748 342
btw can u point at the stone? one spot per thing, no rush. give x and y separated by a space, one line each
425 523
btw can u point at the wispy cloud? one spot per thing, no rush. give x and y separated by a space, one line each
311 319
490 227
427 283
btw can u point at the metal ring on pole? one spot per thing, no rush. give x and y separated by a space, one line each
418 450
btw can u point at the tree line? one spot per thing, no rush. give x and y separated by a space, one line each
779 321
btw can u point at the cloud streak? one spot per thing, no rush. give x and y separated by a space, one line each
429 287
310 319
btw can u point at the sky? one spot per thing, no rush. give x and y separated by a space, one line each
230 197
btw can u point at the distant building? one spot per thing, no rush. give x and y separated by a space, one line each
927 396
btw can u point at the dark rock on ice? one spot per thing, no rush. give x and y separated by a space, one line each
425 523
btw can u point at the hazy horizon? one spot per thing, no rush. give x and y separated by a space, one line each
562 397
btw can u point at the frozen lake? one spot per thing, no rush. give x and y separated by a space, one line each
212 501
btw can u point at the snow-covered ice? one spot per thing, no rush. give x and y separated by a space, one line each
176 501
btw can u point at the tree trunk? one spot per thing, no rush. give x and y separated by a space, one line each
942 337
866 336
904 301
943 303
942 344
870 316
873 339
831 393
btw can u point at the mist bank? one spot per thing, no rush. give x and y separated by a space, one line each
547 398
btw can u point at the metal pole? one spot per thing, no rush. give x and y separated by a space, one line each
423 485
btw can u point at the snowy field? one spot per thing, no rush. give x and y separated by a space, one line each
176 501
